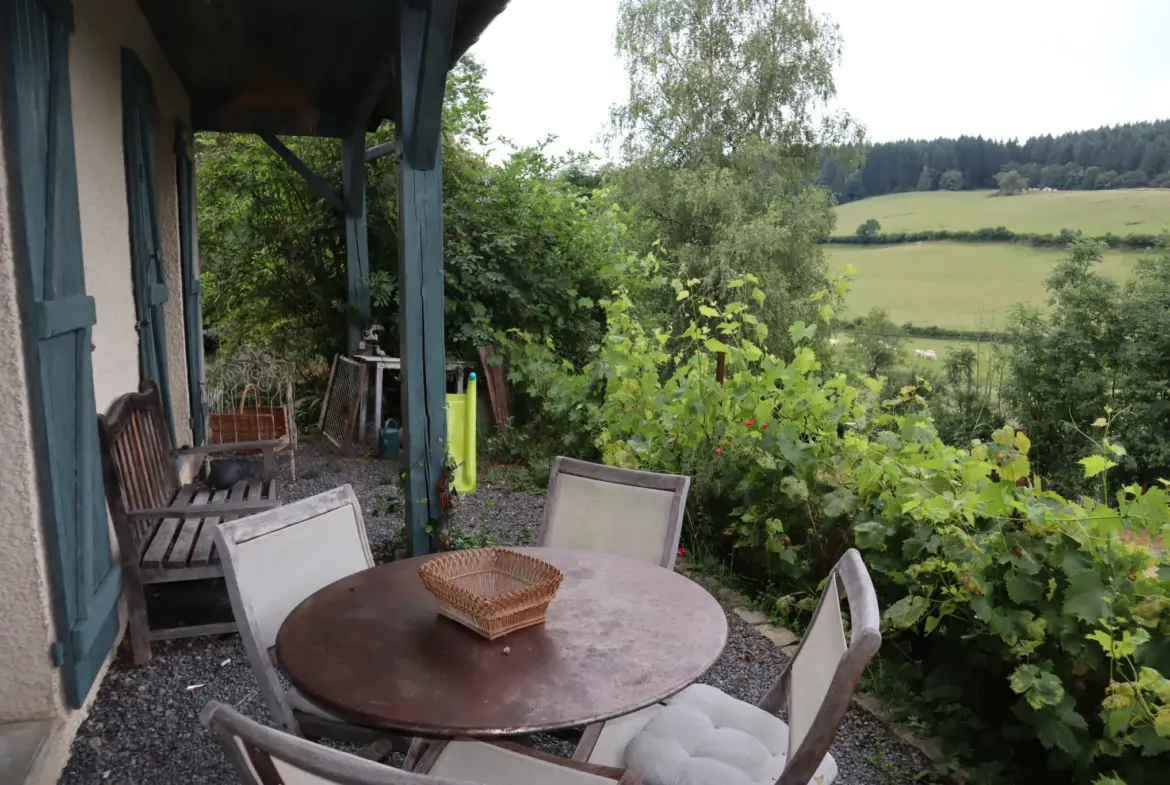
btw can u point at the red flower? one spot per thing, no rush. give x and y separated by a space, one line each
764 427
749 423
718 450
682 551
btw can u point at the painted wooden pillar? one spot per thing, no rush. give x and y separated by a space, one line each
357 254
424 51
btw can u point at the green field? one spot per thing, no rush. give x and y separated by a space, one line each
963 286
942 348
1130 211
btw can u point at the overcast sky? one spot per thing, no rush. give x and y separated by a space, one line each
911 68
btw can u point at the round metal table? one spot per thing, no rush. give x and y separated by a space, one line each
621 634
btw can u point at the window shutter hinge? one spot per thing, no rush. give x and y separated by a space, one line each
57 652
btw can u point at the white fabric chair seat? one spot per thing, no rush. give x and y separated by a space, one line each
485 764
703 736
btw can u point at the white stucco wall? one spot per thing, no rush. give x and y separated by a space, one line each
103 28
28 680
30 686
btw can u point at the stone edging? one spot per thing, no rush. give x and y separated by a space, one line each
787 642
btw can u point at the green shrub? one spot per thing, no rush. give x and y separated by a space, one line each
998 234
1033 634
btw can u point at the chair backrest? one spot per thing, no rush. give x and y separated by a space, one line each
265 756
138 460
824 673
612 510
275 559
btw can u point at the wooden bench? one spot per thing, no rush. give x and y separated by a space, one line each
163 527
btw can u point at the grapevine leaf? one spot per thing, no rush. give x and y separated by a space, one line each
1054 732
715 345
802 332
1095 464
840 502
870 534
906 612
1022 590
1086 597
1039 687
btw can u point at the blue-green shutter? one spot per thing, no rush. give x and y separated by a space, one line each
60 318
192 298
139 115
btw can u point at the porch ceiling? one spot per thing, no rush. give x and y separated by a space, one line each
292 67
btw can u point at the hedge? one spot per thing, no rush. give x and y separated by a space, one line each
998 234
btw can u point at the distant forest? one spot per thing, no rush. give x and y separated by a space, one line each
1124 156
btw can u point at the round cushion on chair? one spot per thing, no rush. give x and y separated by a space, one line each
704 736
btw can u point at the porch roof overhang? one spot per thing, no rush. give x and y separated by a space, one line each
294 67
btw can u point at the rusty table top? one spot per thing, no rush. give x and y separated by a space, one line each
621 634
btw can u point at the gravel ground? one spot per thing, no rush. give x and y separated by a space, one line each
144 727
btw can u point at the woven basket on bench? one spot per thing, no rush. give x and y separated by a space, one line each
493 591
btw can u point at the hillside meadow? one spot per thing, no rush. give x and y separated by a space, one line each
963 286
1122 212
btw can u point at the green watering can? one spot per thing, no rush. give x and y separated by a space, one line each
389 440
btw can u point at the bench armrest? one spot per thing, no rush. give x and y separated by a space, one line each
267 446
211 449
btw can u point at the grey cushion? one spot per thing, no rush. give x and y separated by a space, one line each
703 736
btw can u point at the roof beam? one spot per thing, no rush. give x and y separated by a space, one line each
232 117
472 25
375 89
379 150
315 181
424 55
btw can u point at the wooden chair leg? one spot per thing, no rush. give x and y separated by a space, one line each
418 746
138 622
377 750
588 742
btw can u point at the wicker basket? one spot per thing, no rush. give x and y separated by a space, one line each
493 591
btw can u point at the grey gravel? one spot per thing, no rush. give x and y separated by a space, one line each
507 516
144 729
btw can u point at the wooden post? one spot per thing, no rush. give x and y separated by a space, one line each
721 362
425 31
357 254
